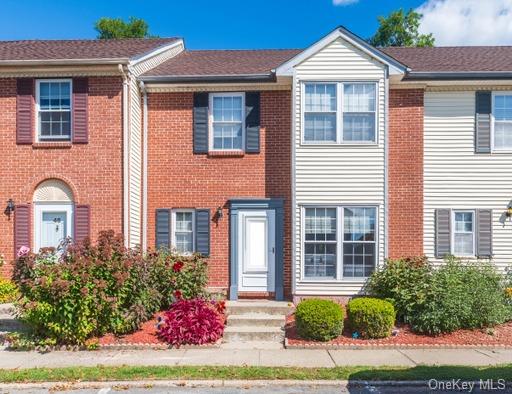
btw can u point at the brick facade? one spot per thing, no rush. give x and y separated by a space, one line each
93 170
177 178
405 172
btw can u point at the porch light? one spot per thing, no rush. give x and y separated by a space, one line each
218 213
509 211
10 207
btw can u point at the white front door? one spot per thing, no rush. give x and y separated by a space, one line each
52 225
256 251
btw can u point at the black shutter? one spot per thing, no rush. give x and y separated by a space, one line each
483 122
203 231
163 228
200 122
443 232
484 233
252 122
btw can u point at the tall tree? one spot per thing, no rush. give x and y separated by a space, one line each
118 28
400 29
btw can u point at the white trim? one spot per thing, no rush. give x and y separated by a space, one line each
493 95
173 227
452 235
136 60
144 166
37 109
211 96
286 69
339 242
340 97
42 207
386 163
126 155
293 182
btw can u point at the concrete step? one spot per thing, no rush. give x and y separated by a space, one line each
9 324
256 320
267 307
6 309
245 345
251 334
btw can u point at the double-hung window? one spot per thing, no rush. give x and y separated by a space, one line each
183 230
463 233
54 110
340 112
502 114
347 254
227 121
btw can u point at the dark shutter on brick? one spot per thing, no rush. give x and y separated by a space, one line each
80 98
24 110
21 227
252 122
483 122
200 122
484 233
443 230
82 223
203 231
163 228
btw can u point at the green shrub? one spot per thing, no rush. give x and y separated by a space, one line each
403 282
320 320
90 290
8 291
371 317
440 300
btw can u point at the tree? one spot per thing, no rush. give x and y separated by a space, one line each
400 29
118 28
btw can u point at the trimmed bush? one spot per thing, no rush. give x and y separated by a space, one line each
317 319
8 291
191 322
370 317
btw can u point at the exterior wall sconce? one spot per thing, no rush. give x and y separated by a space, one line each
9 209
508 212
218 213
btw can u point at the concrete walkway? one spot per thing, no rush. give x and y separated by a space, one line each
255 357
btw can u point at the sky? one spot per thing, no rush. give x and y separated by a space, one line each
236 24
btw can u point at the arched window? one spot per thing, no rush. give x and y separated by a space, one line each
53 214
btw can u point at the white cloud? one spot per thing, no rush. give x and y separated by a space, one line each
344 2
468 22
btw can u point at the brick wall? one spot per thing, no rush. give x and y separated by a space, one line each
179 179
93 170
405 172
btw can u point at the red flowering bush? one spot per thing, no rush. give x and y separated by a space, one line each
90 290
191 322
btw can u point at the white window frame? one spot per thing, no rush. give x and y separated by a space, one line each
38 124
173 228
211 96
42 207
452 232
493 120
339 112
340 218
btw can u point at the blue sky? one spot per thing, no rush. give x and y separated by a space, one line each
203 23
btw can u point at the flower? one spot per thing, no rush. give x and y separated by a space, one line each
177 266
177 294
23 251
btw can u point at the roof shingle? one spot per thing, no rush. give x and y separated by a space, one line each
54 50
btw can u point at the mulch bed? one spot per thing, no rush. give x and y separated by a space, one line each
501 337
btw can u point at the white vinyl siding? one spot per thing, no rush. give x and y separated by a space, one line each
458 178
337 174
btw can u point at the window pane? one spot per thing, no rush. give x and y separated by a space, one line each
503 135
55 124
463 234
358 259
183 221
55 110
320 246
463 244
227 122
184 232
359 127
320 127
359 224
320 97
503 107
359 97
320 260
184 242
320 224
227 136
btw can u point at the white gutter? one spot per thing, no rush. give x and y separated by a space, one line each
126 156
53 62
144 166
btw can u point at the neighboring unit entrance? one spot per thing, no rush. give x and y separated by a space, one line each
256 247
256 250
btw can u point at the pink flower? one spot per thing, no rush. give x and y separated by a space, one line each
177 266
177 294
23 251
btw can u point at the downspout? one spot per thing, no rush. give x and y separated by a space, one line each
293 207
126 156
386 162
144 165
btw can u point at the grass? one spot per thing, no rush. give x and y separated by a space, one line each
108 373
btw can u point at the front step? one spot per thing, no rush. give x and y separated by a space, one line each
251 334
256 320
266 307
